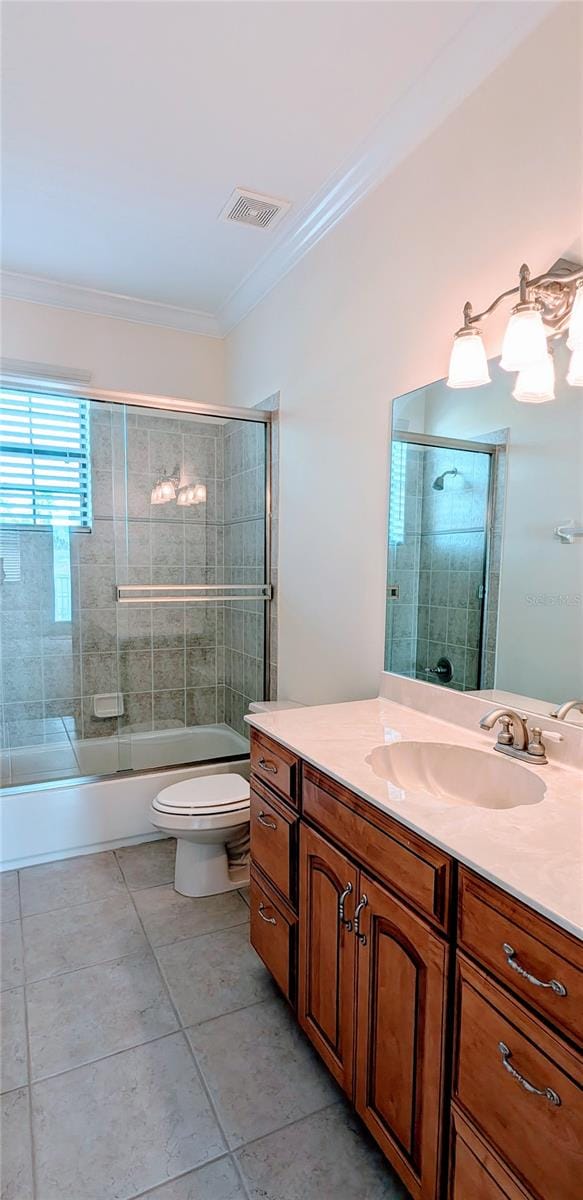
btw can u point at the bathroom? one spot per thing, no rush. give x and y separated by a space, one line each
290 612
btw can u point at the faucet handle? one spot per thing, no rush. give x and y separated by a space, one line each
505 736
536 746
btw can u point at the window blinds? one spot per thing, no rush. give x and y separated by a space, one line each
44 460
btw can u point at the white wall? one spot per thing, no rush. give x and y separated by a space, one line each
121 355
369 314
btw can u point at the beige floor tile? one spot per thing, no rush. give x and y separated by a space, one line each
218 1181
9 902
82 1016
13 1057
326 1155
148 864
261 1070
11 963
80 936
214 974
69 881
169 917
16 1157
115 1128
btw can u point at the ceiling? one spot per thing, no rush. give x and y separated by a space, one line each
126 127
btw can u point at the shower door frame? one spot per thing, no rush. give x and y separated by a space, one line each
258 416
493 450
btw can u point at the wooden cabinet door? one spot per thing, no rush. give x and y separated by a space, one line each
402 984
326 974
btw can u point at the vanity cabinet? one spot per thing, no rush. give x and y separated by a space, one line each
327 953
450 1013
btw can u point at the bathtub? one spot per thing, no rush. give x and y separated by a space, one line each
57 813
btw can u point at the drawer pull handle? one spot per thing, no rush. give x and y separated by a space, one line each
362 904
548 1093
553 984
268 920
263 820
268 765
341 899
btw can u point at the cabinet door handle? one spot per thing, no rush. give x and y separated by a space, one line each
267 765
548 1093
341 899
263 820
360 906
558 988
268 920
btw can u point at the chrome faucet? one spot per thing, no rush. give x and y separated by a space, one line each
561 712
515 738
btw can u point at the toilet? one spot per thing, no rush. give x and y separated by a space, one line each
209 817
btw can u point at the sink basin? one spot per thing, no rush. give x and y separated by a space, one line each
458 774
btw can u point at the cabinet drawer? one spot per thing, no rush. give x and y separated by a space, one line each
525 952
273 841
413 868
273 935
275 765
502 1055
475 1173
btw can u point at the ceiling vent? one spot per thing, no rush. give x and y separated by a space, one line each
252 208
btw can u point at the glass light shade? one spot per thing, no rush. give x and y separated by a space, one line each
525 342
199 496
167 491
575 372
182 496
155 495
536 385
468 365
575 338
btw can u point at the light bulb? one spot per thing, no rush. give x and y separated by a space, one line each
575 338
525 342
199 494
575 372
468 365
167 491
536 384
155 495
182 496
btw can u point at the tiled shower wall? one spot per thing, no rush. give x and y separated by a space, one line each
174 664
439 568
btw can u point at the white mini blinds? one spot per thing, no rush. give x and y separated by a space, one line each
45 468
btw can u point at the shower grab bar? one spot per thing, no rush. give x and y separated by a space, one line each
568 533
220 592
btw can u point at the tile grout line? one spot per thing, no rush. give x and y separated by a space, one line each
28 1056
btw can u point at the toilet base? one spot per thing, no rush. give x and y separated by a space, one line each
202 869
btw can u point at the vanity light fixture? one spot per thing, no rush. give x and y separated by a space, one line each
168 487
547 304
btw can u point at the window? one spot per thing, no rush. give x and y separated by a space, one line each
44 461
397 493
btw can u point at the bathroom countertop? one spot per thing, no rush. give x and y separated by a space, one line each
533 851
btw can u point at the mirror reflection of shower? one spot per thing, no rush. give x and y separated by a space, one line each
439 482
440 560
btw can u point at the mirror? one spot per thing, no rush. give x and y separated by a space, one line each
483 594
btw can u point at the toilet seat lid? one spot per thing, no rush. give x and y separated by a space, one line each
207 793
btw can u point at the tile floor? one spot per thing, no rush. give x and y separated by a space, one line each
146 1051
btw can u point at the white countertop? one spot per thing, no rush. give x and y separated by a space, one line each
533 851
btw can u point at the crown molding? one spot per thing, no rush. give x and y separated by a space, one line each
106 304
490 35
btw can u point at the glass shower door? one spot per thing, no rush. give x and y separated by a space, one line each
438 541
191 575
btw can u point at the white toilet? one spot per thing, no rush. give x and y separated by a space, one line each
209 817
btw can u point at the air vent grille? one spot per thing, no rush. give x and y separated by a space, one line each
253 208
